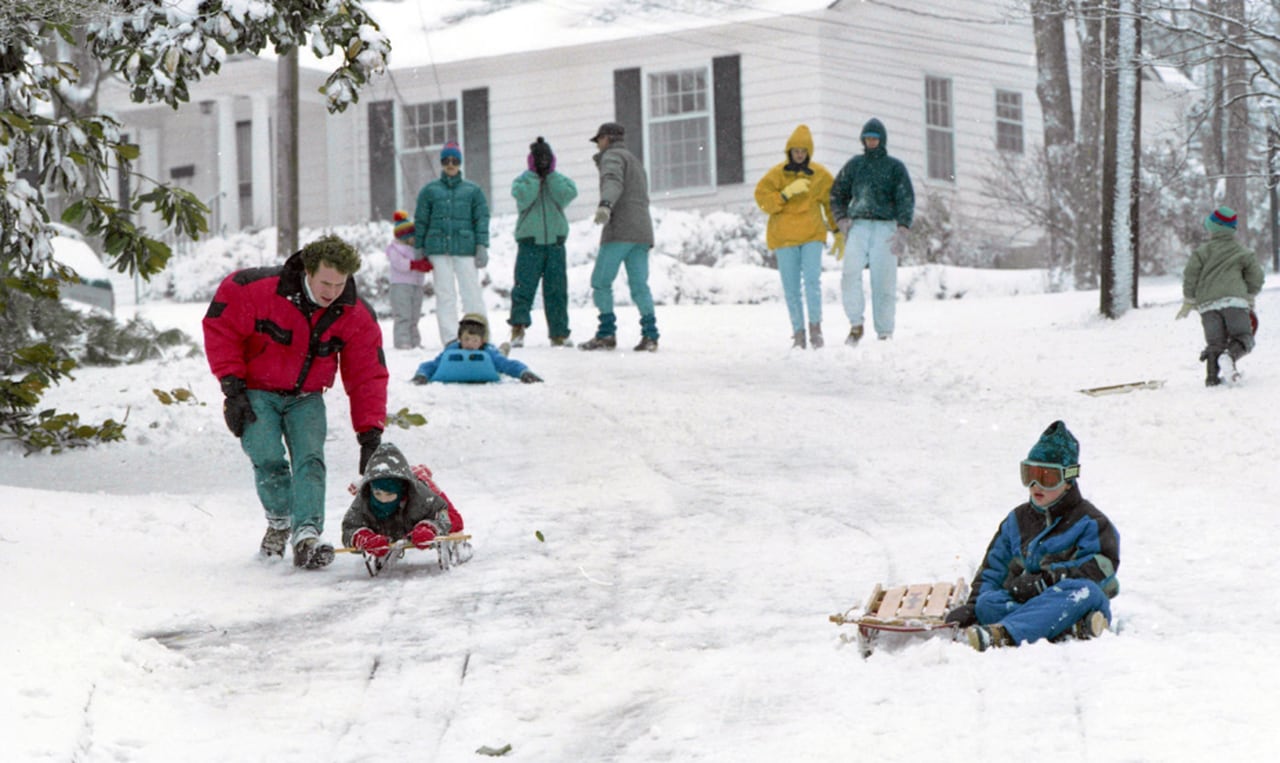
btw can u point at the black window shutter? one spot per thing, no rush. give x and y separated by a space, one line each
477 155
382 160
726 71
628 109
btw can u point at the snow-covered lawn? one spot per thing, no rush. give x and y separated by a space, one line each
704 510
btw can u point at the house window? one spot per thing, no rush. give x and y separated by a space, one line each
940 129
1009 121
424 130
679 129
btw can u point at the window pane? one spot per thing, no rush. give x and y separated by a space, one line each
1009 121
680 154
428 126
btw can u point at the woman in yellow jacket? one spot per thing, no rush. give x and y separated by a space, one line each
796 195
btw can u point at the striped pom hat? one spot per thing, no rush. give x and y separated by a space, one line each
402 224
1222 219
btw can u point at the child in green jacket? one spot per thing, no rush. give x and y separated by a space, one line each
1221 280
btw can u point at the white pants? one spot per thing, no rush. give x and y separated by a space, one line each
452 275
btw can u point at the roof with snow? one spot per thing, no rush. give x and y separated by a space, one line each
426 32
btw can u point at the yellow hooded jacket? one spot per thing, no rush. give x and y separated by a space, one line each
802 218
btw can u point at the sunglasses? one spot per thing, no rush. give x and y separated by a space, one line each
1046 475
451 162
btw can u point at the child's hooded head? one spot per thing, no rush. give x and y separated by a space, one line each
385 495
473 331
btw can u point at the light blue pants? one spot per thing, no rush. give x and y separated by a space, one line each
290 485
796 263
1046 615
613 256
868 243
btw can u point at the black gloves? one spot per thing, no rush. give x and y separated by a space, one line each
962 616
236 409
369 441
543 159
1030 584
529 377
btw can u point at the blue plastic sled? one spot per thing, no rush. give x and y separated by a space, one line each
466 367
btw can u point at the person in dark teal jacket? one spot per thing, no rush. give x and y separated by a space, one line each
1221 280
541 195
451 227
873 202
1051 567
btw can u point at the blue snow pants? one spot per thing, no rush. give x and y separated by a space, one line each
286 446
868 243
1046 615
794 264
635 257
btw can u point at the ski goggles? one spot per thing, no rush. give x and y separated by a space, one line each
1047 475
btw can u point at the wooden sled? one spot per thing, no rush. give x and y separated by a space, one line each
918 608
452 549
1115 389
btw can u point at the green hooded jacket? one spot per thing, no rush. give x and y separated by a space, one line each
1220 268
541 202
874 186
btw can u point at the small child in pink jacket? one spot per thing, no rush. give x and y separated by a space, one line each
409 269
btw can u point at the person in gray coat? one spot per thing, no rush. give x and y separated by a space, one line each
625 240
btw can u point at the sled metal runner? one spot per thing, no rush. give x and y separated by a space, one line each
918 608
1115 389
452 549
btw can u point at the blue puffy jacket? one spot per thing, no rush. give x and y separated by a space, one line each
452 217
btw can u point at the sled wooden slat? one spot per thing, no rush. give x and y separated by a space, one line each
913 603
888 608
939 600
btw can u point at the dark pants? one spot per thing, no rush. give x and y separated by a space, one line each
1227 330
546 263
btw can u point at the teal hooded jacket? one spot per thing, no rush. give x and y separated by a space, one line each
874 186
452 217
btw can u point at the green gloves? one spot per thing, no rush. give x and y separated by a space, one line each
838 247
1187 307
795 188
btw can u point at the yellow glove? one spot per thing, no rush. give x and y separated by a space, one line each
1185 311
795 188
838 247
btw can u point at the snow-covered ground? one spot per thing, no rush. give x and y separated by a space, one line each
704 510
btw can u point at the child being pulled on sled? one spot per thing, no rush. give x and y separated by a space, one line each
1051 567
473 334
1221 280
394 501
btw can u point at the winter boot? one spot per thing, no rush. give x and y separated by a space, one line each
1090 626
647 344
561 341
599 343
1211 370
984 637
797 340
312 553
274 541
855 336
517 335
1227 364
815 335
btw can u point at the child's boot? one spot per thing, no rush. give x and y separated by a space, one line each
1211 369
984 637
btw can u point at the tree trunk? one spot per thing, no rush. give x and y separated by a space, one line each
1087 185
1236 103
287 154
1120 161
1053 89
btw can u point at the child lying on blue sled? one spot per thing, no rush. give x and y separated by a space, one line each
471 359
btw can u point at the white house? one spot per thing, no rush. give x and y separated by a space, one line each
708 90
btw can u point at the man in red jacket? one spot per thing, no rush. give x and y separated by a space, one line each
276 337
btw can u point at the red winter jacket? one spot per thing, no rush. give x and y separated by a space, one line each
262 327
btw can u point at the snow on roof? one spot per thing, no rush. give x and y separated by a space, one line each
426 32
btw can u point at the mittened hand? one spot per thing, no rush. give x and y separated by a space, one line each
423 534
422 266
838 247
844 224
962 616
1184 311
602 215
482 256
795 188
529 377
898 244
369 441
236 409
1029 585
371 542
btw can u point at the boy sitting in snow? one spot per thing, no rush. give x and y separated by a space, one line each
473 334
1051 567
395 501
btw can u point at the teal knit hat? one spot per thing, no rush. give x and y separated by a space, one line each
1056 446
1221 219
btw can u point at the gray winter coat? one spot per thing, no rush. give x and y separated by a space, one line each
624 188
418 505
